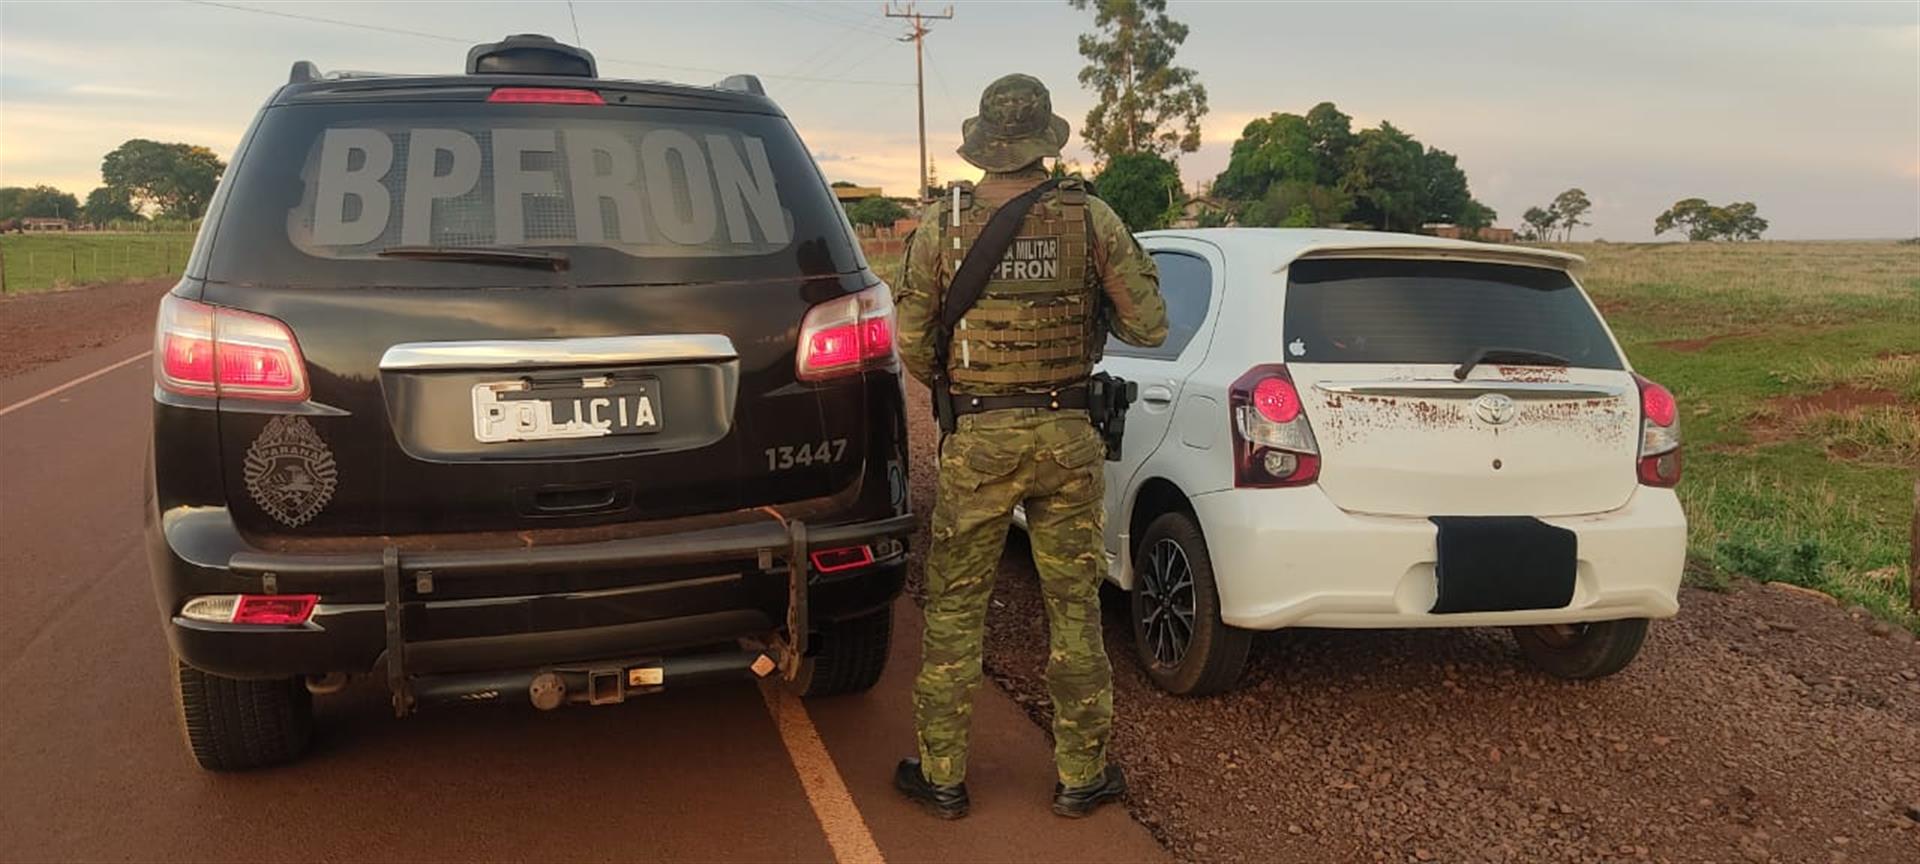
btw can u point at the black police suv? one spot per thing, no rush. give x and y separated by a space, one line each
522 384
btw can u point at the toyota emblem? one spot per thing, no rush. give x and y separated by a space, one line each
1494 408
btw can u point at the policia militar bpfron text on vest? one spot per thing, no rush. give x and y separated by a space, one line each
1104 397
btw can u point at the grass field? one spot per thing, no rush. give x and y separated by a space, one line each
1797 367
40 262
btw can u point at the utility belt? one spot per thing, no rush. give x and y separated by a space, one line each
1061 399
1104 398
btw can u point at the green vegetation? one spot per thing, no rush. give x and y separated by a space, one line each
1304 171
1797 367
876 211
1142 188
39 262
1702 221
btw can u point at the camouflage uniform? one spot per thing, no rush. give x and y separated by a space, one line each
1051 461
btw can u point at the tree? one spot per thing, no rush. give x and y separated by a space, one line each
1298 204
107 205
876 211
1444 187
843 184
1145 103
37 202
1539 223
1568 207
1142 187
1703 221
176 179
1385 175
1474 217
1270 150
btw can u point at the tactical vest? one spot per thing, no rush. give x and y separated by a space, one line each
1033 327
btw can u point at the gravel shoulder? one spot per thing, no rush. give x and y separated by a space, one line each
45 327
1762 724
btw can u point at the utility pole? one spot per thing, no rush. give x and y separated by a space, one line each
916 35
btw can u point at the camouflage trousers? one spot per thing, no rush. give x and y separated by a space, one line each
1051 462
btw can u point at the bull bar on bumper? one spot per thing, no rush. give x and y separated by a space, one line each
419 572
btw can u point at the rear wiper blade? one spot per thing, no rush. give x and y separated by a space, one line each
505 257
1515 355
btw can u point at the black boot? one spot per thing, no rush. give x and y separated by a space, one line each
1081 801
946 802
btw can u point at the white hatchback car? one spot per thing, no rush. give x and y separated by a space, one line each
1366 430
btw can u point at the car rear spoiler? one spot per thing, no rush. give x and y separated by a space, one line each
1525 256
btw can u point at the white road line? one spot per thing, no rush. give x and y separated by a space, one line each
72 384
833 806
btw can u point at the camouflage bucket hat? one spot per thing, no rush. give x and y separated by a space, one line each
1016 126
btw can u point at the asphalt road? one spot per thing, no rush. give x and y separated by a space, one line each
96 768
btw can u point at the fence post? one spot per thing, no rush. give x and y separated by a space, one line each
1913 551
73 265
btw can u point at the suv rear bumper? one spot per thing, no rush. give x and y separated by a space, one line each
1291 558
466 610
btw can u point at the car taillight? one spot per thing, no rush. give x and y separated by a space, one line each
202 350
1659 435
279 609
546 96
846 335
1272 444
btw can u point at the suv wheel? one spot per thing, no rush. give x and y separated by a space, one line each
233 725
1177 632
849 655
1579 652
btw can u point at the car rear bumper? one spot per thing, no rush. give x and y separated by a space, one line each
1290 558
477 609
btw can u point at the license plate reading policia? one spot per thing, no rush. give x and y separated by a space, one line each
526 410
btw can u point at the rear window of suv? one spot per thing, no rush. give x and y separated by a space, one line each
1364 310
630 195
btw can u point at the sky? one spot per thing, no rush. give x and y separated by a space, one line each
1811 111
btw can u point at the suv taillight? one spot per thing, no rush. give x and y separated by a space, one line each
1659 435
846 335
203 350
1272 443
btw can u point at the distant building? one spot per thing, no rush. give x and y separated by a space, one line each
37 223
849 194
1454 232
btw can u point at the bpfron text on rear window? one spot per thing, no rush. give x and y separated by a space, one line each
1364 310
631 195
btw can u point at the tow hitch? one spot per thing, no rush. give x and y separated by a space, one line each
602 682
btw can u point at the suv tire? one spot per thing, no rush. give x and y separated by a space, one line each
850 655
234 725
1214 653
1580 652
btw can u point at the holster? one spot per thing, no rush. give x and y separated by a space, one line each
942 391
1108 398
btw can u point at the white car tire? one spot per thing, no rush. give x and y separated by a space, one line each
1177 632
1581 652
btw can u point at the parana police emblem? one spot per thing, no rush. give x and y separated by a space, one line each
290 471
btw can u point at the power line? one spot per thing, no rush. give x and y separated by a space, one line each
334 21
316 19
819 14
917 34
